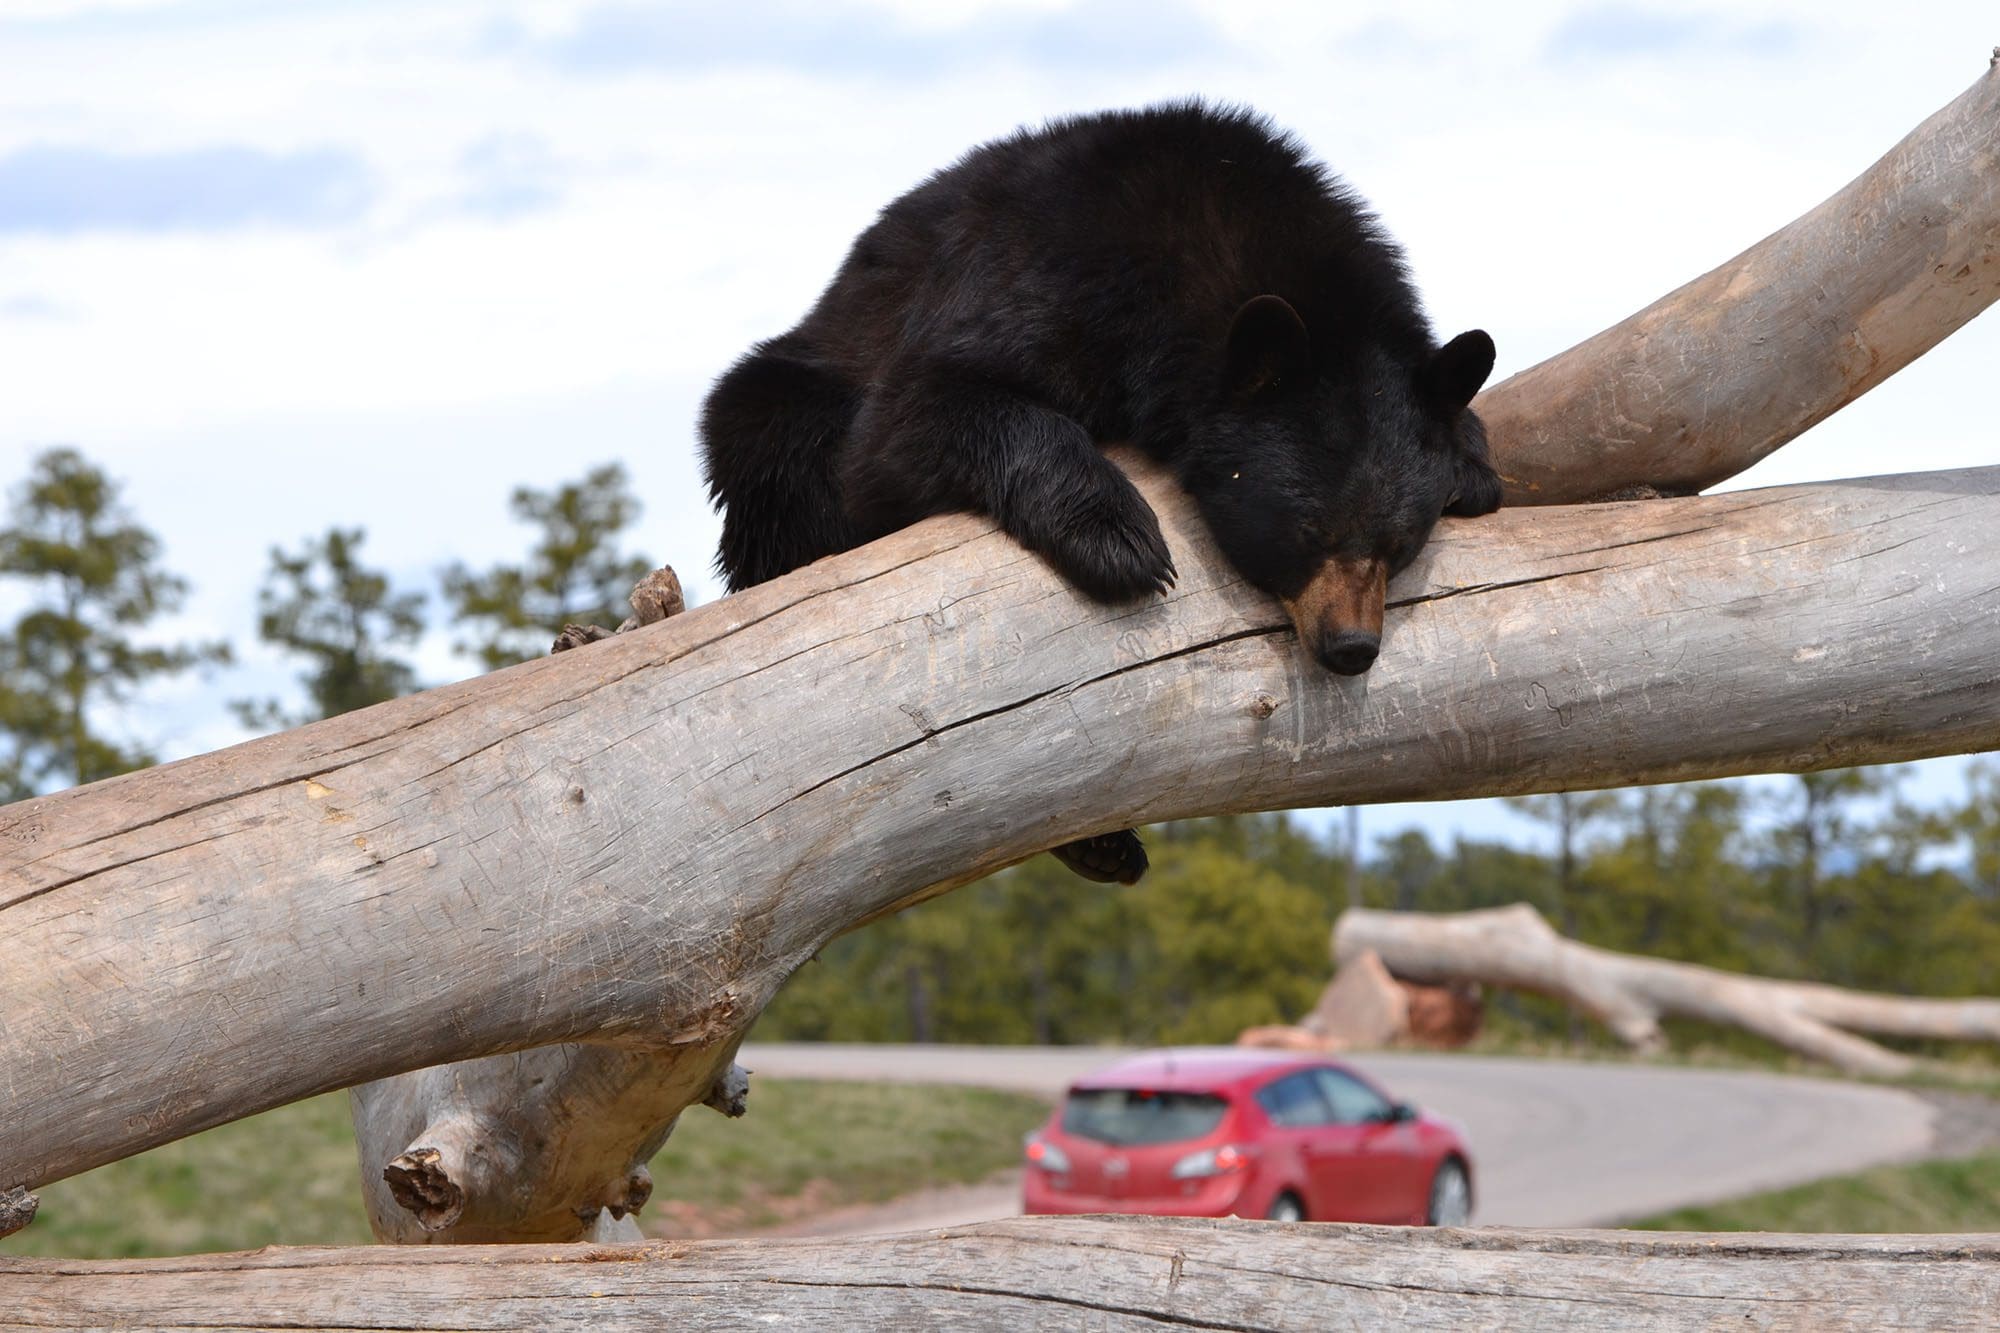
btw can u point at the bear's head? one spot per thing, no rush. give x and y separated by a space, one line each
1322 487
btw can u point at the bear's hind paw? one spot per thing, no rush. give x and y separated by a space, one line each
1109 858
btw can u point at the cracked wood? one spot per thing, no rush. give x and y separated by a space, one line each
1055 1273
396 888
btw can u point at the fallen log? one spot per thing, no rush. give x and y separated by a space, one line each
636 842
1052 1273
1516 948
1365 1007
1714 376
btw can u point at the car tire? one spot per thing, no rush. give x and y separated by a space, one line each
1286 1208
1451 1195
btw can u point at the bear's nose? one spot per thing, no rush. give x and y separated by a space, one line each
1349 652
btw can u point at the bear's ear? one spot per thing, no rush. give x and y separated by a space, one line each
1456 370
1267 344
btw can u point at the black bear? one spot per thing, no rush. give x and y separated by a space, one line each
1183 277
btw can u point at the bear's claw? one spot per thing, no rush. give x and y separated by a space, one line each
1117 554
1109 858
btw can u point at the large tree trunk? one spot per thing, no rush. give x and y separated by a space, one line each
1710 378
1515 948
635 843
1123 1273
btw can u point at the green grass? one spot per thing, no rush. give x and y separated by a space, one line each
806 1147
288 1177
1959 1195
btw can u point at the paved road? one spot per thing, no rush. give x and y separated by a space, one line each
1556 1143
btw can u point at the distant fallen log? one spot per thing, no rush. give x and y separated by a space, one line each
1365 1007
1052 1273
1516 948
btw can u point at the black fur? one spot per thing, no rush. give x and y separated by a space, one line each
1182 277
1083 282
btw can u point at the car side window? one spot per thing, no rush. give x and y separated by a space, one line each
1353 1102
1295 1101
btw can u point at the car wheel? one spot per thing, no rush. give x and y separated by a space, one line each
1287 1208
1451 1195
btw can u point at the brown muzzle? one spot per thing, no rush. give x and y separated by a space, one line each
1339 615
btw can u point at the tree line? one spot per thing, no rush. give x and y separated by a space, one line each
1824 876
90 577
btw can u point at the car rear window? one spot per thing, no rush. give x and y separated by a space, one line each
1134 1116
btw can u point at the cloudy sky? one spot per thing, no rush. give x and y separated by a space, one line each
284 265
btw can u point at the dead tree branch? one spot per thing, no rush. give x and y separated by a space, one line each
1516 948
1710 378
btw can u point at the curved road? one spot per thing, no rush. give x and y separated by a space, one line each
1555 1143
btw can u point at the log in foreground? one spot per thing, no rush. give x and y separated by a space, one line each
1515 947
1710 378
638 841
1061 1273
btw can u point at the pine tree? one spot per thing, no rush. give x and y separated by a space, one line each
89 573
575 574
1568 813
323 605
1821 839
1979 820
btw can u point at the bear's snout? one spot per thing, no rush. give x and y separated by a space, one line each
1339 614
1349 652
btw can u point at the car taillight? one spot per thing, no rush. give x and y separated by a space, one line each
1046 1155
1212 1162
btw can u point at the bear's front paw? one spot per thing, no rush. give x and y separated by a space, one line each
1109 858
1112 549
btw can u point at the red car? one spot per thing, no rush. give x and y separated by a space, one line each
1228 1132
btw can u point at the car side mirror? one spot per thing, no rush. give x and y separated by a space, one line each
1402 1111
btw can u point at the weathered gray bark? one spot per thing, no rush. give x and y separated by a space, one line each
543 1144
1055 1273
635 843
17 1209
1712 377
550 1143
1516 948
